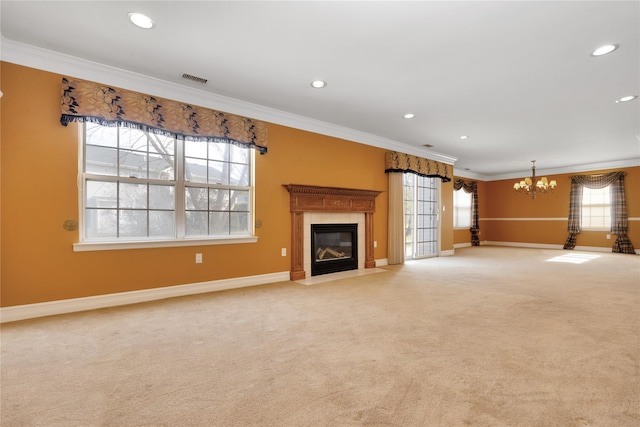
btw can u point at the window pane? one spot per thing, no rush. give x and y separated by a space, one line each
239 200
239 154
596 208
161 223
195 170
101 223
461 209
219 151
133 196
101 160
161 197
462 217
96 134
195 149
161 144
239 175
101 194
133 223
219 222
133 164
408 179
161 166
196 223
239 222
133 139
218 199
196 198
219 173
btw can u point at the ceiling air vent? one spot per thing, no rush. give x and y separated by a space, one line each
194 78
427 145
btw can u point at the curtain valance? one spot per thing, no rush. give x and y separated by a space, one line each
85 101
468 187
597 181
400 162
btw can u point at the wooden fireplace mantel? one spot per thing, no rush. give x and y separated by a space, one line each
309 198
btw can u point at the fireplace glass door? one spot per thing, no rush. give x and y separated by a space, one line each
334 247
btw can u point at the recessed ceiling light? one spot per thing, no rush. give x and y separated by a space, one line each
603 50
318 84
464 137
409 116
140 20
627 98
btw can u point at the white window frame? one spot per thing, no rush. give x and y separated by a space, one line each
457 208
150 242
586 220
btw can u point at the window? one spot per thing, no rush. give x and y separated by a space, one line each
420 216
461 209
143 186
596 208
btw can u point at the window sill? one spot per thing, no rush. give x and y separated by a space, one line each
110 246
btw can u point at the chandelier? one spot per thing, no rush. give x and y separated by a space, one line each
543 185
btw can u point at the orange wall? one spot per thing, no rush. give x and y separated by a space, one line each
503 202
39 192
39 166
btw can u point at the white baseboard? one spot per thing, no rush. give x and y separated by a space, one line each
30 311
461 245
549 246
382 262
450 252
522 245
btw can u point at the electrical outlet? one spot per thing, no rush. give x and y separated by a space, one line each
608 236
198 258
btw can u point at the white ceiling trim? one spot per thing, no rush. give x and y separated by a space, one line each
55 62
571 169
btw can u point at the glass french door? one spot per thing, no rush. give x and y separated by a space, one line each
421 219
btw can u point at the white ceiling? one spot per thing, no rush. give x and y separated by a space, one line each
516 77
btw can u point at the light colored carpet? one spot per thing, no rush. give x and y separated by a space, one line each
492 336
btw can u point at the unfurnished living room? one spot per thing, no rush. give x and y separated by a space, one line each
223 213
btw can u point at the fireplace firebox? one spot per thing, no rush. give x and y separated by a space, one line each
334 247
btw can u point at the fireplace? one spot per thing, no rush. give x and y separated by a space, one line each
307 201
334 247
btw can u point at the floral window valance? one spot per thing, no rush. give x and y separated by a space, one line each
400 162
85 101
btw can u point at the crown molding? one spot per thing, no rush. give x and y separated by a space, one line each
617 164
461 173
55 62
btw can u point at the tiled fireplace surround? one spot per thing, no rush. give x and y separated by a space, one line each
328 205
